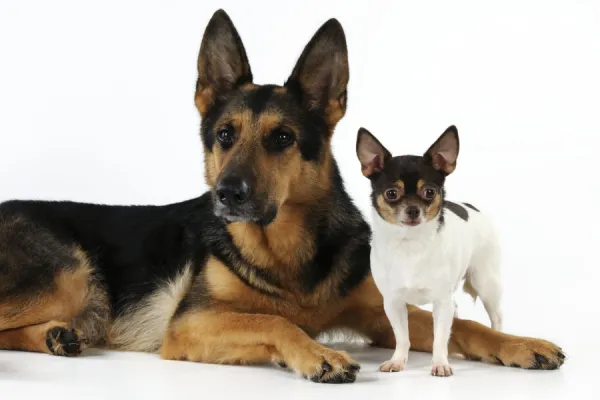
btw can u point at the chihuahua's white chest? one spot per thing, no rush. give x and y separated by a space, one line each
418 264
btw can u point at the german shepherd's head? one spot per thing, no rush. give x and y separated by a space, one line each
268 145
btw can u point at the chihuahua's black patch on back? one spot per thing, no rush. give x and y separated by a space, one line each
457 209
471 206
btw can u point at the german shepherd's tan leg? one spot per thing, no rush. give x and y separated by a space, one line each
234 338
30 321
51 337
43 283
61 300
470 339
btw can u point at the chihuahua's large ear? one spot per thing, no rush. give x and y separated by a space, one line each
444 152
321 73
222 62
371 153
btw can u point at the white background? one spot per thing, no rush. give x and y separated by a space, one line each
96 105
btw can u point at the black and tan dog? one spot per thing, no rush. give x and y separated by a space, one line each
252 271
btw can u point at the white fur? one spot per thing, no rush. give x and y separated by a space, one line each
423 265
142 327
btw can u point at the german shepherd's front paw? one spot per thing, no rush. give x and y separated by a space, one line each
324 365
63 341
530 354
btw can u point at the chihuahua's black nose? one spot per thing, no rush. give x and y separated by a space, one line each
232 191
413 212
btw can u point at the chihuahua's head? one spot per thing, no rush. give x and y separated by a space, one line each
408 190
268 145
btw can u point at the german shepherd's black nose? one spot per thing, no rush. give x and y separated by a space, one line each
232 191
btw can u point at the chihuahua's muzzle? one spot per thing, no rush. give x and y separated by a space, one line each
411 215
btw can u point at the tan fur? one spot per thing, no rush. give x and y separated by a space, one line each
237 338
29 338
386 210
302 309
248 87
400 185
204 99
141 327
434 208
283 242
225 286
63 301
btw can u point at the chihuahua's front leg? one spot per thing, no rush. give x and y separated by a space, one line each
443 313
395 309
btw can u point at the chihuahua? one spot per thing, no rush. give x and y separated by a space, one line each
423 245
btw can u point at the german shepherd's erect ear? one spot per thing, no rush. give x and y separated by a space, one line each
222 62
322 73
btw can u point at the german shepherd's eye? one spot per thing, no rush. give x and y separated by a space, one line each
392 194
225 136
280 139
428 193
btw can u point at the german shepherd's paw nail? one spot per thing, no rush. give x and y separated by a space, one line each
334 367
281 364
441 370
66 342
532 354
354 368
392 366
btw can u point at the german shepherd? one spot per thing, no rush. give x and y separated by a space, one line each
252 271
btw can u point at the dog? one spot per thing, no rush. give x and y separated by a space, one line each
423 245
252 271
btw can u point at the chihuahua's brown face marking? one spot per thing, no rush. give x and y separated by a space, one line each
408 190
268 145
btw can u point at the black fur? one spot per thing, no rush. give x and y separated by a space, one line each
457 209
472 207
340 234
133 249
258 99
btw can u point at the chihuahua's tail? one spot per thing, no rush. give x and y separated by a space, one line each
469 289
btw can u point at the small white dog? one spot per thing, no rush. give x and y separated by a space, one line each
423 246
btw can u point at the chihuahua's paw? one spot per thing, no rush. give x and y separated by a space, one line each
392 366
441 370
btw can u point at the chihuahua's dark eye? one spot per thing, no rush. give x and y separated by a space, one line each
429 193
225 136
392 194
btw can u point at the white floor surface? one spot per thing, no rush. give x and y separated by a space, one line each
119 375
